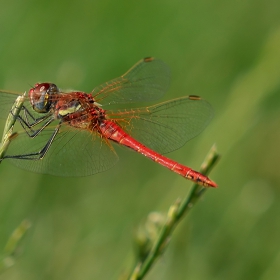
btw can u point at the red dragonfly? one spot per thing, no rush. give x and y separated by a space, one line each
71 133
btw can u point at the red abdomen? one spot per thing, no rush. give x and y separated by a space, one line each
114 132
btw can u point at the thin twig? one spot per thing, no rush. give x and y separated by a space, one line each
8 133
175 214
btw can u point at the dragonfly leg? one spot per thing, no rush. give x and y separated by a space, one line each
40 154
33 133
27 115
27 125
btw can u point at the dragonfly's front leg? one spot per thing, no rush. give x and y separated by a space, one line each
34 121
40 154
24 120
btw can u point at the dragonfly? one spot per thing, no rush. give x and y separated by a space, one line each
72 133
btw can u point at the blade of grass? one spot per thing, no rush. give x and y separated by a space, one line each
11 248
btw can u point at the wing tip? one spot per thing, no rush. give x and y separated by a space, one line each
149 59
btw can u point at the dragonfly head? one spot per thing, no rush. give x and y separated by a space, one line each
41 96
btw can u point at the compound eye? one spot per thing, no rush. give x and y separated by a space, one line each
40 96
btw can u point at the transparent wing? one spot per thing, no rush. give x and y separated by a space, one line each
146 81
7 100
73 152
167 126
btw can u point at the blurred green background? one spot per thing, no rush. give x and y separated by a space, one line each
228 52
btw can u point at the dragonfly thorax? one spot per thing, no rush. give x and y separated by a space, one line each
65 107
40 96
78 109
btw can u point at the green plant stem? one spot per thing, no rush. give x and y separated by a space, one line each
8 133
175 214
